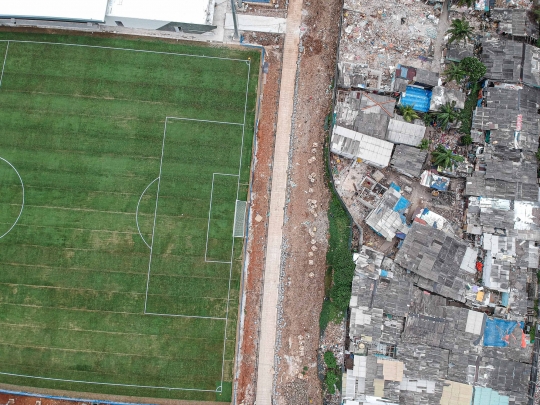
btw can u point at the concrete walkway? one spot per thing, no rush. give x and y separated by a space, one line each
265 374
444 23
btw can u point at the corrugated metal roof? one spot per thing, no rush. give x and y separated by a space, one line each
486 396
406 133
352 144
419 99
455 393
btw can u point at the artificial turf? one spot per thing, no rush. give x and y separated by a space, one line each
85 129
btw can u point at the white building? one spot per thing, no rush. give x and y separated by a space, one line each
166 15
355 145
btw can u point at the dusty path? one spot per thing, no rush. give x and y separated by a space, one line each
306 222
248 340
277 204
444 22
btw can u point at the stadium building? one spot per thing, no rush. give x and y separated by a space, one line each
193 16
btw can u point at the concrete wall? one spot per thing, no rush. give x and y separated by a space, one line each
156 25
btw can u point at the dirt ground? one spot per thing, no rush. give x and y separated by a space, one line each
306 225
247 372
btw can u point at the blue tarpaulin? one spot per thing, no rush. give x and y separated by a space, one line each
401 205
395 186
496 332
418 99
384 273
440 183
505 297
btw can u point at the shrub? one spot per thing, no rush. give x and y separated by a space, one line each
467 112
466 139
330 359
331 381
339 258
424 145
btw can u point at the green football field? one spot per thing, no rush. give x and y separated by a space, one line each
124 171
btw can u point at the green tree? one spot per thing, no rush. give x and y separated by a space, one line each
447 114
424 145
473 68
445 157
460 30
454 71
408 113
466 139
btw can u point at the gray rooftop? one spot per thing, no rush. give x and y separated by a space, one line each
503 126
437 257
408 160
502 59
480 186
458 50
423 329
366 113
441 95
523 99
504 180
517 22
402 132
531 68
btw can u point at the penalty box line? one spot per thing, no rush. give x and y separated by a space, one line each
146 312
248 61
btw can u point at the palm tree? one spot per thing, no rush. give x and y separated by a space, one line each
460 30
454 72
445 157
447 114
408 113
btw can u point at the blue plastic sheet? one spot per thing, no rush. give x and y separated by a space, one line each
418 99
496 332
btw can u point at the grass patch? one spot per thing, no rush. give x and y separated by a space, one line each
468 110
226 392
339 260
84 127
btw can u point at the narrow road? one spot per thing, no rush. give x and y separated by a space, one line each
277 205
441 32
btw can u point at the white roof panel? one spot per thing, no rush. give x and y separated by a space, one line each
62 10
186 11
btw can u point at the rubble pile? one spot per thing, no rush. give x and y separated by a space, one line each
383 35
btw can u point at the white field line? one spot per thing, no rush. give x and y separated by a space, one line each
155 216
124 49
110 384
137 212
233 238
185 316
210 214
211 122
22 205
218 389
4 65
